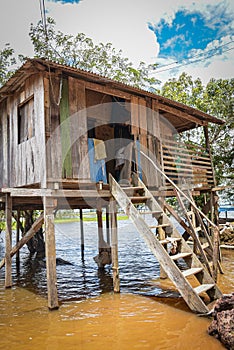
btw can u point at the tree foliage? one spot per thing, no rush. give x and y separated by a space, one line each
80 51
7 61
217 99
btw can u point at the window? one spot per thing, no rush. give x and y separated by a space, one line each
26 122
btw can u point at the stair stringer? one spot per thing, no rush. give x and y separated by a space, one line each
193 300
154 205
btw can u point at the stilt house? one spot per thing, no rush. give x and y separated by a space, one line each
74 139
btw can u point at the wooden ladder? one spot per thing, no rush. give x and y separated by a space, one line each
175 256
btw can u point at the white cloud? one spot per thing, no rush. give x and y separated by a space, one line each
123 22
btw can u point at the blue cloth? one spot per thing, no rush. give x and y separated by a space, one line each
97 167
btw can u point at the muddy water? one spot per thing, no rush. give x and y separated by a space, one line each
90 315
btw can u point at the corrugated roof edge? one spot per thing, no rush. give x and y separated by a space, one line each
98 78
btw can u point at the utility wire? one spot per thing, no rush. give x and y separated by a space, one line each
190 62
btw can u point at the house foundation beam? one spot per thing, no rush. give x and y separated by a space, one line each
81 234
114 245
50 253
8 259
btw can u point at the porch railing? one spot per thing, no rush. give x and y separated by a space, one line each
187 161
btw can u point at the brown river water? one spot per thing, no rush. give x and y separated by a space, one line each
142 316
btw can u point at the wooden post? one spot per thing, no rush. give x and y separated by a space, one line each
214 196
162 236
107 226
31 232
17 240
114 245
50 253
8 259
81 235
100 228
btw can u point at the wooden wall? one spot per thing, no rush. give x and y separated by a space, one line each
3 146
54 141
25 159
67 146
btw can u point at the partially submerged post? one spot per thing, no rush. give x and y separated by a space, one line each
49 206
8 259
81 234
114 245
17 239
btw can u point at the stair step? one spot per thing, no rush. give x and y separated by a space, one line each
192 271
139 199
205 245
180 255
162 225
151 212
196 229
134 188
203 288
170 240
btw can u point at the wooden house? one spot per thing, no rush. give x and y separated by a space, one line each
62 131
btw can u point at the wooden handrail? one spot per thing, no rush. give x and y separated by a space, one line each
179 190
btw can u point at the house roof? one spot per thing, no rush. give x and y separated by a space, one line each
181 116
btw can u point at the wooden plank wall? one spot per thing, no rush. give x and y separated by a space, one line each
67 146
146 128
53 144
27 159
3 146
79 136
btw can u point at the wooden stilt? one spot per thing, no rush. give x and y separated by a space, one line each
107 227
8 259
162 236
101 242
81 234
50 253
17 240
114 245
31 232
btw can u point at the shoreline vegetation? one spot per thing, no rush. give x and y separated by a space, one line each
88 217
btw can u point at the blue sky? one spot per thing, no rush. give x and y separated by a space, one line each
161 31
192 30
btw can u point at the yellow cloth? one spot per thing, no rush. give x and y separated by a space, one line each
99 149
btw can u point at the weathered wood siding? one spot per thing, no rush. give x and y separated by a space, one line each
23 160
67 144
3 146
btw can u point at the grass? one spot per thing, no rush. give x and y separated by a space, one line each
87 218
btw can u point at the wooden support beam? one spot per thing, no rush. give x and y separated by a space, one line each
50 253
17 239
8 260
114 245
107 226
26 192
162 236
35 227
101 242
81 234
179 113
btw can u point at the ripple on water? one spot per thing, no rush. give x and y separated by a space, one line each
90 315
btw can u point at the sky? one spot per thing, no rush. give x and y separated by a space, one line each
195 36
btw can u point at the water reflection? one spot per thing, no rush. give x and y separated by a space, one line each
91 316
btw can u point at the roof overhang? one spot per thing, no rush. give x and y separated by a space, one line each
182 117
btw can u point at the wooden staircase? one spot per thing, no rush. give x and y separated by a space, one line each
190 276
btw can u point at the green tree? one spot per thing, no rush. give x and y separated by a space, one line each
79 51
217 99
7 61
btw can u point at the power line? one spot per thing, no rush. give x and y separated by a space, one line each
198 55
